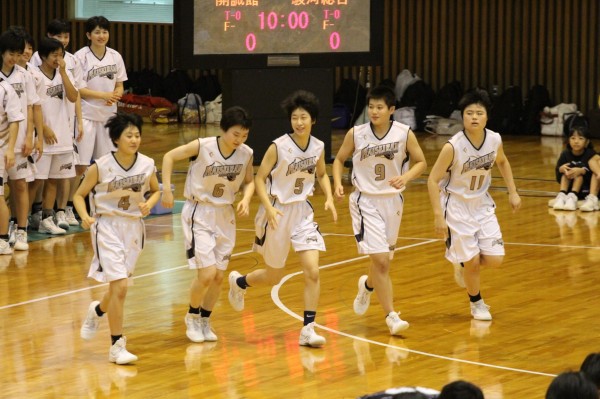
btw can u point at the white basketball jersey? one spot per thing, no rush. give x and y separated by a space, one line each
293 176
375 161
72 65
10 110
100 75
38 80
470 173
119 191
213 178
56 112
24 86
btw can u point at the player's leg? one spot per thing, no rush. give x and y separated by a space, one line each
312 288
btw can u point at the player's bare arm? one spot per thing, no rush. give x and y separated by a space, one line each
505 170
243 207
437 173
182 152
325 184
146 206
89 181
266 165
344 153
418 162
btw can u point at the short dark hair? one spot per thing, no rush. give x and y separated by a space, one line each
235 116
119 122
571 384
96 21
461 390
49 45
21 31
10 40
475 96
302 99
385 93
58 26
591 368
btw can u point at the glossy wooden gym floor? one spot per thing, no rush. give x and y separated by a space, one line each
544 301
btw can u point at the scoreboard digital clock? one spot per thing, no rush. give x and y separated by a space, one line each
253 33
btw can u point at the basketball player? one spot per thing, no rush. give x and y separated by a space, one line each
284 181
119 182
57 162
103 74
220 166
10 117
463 209
381 151
12 45
60 30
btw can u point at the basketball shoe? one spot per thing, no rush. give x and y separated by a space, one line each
236 294
480 311
308 337
363 297
91 322
119 354
395 323
194 329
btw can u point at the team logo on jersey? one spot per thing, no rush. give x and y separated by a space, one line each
483 162
229 172
55 91
22 165
307 165
66 166
388 150
133 183
107 71
18 88
499 241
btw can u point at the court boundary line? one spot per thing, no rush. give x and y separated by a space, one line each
275 298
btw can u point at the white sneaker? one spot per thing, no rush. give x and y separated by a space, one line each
209 334
571 202
35 219
559 201
61 220
21 240
236 294
308 337
118 354
12 233
590 204
459 274
395 323
5 248
194 329
47 226
363 298
480 310
70 216
91 322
